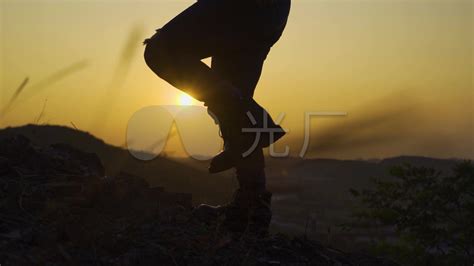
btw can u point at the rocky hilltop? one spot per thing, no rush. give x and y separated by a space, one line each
57 207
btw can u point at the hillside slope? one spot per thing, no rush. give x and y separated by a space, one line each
58 208
162 171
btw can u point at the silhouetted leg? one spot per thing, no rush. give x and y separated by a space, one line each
174 53
208 28
250 208
217 28
220 28
243 69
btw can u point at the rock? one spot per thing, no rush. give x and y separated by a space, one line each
89 163
4 165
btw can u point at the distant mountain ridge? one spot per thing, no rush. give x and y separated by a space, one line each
180 174
51 134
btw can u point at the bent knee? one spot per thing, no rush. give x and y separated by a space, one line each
157 54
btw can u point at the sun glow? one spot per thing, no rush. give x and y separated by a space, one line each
185 99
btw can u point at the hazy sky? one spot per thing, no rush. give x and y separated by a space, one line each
402 70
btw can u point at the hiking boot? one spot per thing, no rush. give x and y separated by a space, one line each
225 160
205 212
247 213
239 142
236 213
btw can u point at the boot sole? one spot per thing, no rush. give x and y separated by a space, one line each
231 162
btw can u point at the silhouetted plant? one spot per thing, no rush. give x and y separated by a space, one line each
432 214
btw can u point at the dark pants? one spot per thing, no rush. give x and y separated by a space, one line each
237 34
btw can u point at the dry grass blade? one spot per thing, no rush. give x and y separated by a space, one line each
74 126
386 119
41 114
15 96
38 87
59 75
127 55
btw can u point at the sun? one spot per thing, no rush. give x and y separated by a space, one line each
185 99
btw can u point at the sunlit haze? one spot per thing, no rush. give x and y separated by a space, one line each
401 69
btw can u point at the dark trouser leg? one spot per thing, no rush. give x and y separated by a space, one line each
242 69
251 173
187 72
250 208
257 200
214 28
209 28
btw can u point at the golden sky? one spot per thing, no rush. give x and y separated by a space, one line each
401 69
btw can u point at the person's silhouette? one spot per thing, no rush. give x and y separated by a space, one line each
238 35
